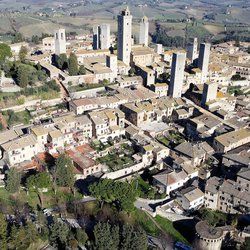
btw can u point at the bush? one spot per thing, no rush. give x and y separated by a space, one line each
213 218
20 101
237 77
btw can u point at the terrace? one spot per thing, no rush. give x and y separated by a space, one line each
171 138
100 146
81 87
118 158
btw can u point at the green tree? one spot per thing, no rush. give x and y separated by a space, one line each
82 70
161 36
213 218
139 240
31 234
13 238
18 37
59 234
38 66
13 182
39 182
237 42
22 76
53 85
246 244
3 232
133 239
105 81
12 117
164 77
126 237
236 77
101 191
132 71
35 39
23 53
23 237
63 173
73 65
10 69
5 52
43 225
41 75
81 236
120 193
1 127
106 236
61 61
26 74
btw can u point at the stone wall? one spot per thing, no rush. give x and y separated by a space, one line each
36 102
125 171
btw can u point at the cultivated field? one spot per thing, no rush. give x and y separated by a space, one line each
34 17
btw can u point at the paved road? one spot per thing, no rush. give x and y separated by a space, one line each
150 205
143 205
86 199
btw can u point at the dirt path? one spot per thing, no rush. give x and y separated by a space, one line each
63 92
168 240
3 121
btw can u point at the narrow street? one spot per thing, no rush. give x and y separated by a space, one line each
63 92
202 110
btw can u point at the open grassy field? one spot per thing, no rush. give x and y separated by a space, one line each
214 28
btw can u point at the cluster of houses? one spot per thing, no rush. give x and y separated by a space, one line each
175 112
184 168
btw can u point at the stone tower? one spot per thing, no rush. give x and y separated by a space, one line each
111 62
124 36
96 37
208 238
203 60
101 36
192 50
209 93
143 38
177 74
60 41
105 36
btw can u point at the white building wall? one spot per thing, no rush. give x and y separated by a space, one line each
22 154
125 171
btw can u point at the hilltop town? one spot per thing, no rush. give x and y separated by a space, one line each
156 134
